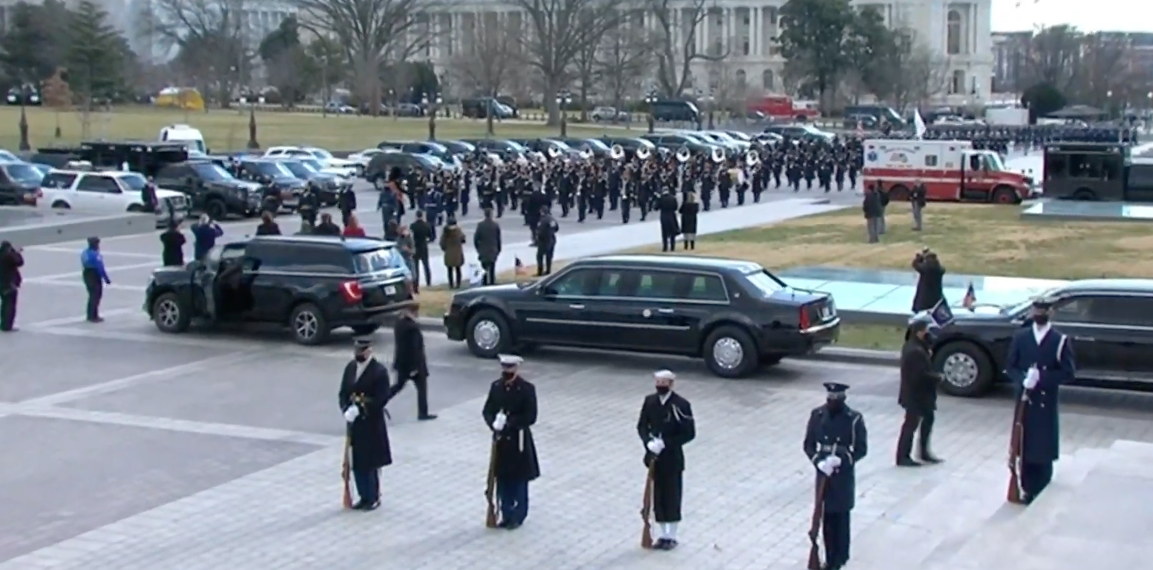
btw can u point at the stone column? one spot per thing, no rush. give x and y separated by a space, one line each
703 33
756 30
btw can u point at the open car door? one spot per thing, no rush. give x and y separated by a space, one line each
207 278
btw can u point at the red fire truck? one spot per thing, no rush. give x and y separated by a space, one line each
951 171
781 106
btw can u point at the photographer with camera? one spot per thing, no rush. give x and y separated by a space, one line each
930 283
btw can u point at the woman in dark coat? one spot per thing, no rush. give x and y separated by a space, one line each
689 211
267 227
930 284
172 240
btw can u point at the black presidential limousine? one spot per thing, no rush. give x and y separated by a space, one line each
734 314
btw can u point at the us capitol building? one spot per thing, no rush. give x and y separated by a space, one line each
957 33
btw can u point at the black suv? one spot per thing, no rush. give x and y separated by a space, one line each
211 188
734 314
1109 322
312 284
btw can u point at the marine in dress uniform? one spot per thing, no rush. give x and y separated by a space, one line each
835 440
918 393
510 412
1040 360
364 392
665 427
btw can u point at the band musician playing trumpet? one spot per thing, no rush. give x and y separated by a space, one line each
665 426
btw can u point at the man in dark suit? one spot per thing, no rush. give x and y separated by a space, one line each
409 360
918 197
364 392
918 393
835 440
1040 360
11 261
665 427
486 239
423 233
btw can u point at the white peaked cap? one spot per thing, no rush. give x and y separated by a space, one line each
665 375
509 359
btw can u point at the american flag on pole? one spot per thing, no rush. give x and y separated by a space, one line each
970 298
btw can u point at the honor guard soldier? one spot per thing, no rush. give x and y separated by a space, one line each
918 393
835 440
364 392
665 427
1040 360
510 411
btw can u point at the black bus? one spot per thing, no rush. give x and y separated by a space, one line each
675 110
1094 171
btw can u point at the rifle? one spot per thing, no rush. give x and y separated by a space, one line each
489 489
345 470
1016 493
647 508
815 525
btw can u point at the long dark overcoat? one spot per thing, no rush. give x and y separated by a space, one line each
515 449
369 432
673 423
918 393
842 434
1054 359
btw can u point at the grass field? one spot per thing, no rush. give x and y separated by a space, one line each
970 239
228 130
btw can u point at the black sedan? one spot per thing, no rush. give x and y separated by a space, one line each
733 314
1108 321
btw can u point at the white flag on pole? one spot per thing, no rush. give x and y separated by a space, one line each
918 124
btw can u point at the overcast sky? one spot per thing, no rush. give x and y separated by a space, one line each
1087 15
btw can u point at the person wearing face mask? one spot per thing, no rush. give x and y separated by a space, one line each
364 392
665 427
918 394
510 412
1040 360
835 440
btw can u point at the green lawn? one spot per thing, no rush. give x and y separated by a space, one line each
228 130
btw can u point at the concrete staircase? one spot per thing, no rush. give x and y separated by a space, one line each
1095 513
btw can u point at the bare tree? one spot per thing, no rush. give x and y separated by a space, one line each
212 39
558 31
1054 57
725 90
910 73
373 33
623 58
675 41
488 58
1105 72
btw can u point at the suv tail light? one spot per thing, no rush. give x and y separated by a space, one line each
803 322
351 292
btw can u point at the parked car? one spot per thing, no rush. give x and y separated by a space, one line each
734 314
212 189
1109 323
608 114
311 284
19 184
106 192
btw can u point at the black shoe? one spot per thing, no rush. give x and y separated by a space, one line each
359 506
907 462
426 417
661 544
670 544
371 506
502 524
931 459
512 526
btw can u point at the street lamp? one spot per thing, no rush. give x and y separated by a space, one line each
431 103
563 99
25 146
651 99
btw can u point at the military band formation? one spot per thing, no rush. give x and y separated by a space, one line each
834 441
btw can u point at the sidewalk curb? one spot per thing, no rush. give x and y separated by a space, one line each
831 354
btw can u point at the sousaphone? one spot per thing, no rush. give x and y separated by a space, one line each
684 154
553 152
718 155
644 153
752 158
617 152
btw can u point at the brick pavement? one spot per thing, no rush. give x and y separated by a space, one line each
748 486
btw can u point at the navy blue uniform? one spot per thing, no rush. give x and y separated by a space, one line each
1040 446
369 392
841 433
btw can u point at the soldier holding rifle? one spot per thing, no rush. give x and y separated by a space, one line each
364 391
665 426
1040 360
835 440
510 412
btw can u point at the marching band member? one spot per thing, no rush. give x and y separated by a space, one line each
510 411
665 426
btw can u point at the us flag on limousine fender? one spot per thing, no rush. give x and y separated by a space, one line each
520 268
970 298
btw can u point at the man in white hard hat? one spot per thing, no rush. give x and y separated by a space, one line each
665 426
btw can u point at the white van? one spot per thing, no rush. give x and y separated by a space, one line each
185 134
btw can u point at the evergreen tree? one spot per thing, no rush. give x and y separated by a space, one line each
95 57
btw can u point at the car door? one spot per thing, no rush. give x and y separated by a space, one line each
643 312
93 193
269 270
1124 330
1097 345
175 177
557 310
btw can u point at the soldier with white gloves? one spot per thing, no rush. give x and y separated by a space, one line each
665 426
835 440
510 412
364 392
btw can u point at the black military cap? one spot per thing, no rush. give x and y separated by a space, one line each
93 240
1042 304
920 321
363 343
836 390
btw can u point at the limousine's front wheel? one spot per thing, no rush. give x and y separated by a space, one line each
487 334
730 352
966 370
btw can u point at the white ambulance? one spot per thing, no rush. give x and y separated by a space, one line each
951 171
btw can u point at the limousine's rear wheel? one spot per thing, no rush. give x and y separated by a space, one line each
966 370
730 352
487 334
309 327
169 314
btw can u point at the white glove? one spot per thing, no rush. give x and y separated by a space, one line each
1032 377
655 446
351 414
500 421
834 461
824 466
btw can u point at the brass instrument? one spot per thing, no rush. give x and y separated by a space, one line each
752 158
553 152
644 153
718 155
684 155
586 153
617 152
